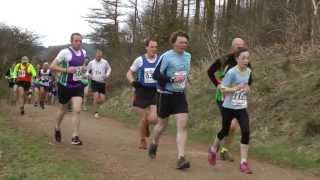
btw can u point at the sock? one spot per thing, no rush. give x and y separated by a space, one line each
243 160
223 149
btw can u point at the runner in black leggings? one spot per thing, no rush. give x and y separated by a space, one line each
235 87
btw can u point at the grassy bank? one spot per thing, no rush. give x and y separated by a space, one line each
24 157
284 107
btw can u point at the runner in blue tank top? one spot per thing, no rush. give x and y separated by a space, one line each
145 89
69 62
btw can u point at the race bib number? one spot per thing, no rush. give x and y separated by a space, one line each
239 98
77 76
148 72
45 84
45 78
99 76
22 73
181 85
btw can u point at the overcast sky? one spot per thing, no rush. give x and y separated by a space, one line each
55 20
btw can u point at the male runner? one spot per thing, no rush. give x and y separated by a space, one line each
98 71
145 89
45 80
23 72
172 75
69 62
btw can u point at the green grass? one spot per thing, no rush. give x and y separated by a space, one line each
25 157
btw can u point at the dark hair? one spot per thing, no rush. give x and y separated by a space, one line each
240 51
147 41
75 34
174 36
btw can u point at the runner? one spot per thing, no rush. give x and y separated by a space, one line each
35 88
216 73
69 62
235 87
45 80
23 73
86 83
172 74
98 71
12 85
145 89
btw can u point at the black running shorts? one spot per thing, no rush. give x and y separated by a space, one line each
144 97
169 104
65 94
98 87
24 84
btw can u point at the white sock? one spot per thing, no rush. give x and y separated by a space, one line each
243 160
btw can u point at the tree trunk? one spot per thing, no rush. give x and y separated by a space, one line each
197 13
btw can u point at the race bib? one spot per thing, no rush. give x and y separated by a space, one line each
45 84
239 98
77 76
22 73
99 76
148 79
181 85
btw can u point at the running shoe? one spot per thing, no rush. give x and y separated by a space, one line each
57 135
225 155
212 157
84 108
22 110
42 105
69 107
76 141
96 115
244 168
182 163
153 150
143 144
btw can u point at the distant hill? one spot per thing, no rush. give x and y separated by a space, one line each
47 54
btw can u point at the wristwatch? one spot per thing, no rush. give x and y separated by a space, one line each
172 79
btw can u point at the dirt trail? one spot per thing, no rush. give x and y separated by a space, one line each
113 147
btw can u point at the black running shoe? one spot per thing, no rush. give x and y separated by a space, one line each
153 150
182 163
22 111
69 107
76 141
57 135
42 105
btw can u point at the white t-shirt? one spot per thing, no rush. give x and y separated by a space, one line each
65 55
137 63
99 70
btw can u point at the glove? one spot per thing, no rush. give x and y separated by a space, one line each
136 84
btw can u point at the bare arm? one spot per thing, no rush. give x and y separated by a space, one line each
130 76
55 67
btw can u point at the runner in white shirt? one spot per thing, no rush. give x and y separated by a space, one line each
98 71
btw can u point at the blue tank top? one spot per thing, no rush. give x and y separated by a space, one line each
145 73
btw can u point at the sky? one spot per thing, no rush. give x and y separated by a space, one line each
53 20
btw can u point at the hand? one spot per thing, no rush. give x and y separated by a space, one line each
71 70
136 84
179 78
246 89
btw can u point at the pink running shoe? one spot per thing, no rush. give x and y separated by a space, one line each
212 157
244 167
